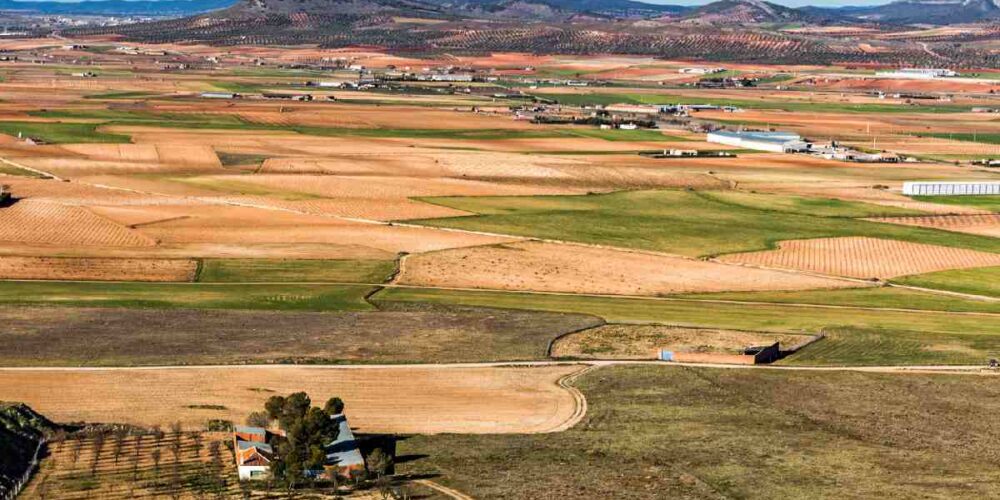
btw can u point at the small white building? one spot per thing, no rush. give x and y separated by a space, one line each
917 73
637 109
954 188
775 142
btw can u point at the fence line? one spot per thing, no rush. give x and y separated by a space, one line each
21 483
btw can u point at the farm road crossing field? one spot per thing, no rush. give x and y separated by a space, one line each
392 400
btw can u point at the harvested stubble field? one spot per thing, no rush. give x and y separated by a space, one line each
984 224
38 336
62 268
860 257
662 432
425 400
86 466
645 341
37 222
553 267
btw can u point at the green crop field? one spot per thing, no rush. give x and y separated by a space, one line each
888 297
991 203
292 270
682 222
669 432
987 138
230 122
875 346
606 98
187 295
972 334
61 133
981 281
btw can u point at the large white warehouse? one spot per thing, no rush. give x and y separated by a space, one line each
776 142
939 188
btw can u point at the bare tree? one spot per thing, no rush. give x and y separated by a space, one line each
98 447
119 443
77 447
157 456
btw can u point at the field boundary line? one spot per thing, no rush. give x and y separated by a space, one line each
984 298
524 292
30 169
592 363
449 492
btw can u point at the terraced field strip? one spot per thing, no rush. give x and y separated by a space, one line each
183 465
861 257
984 224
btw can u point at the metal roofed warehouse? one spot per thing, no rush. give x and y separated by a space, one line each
775 142
952 188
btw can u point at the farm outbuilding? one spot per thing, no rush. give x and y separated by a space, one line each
775 142
938 188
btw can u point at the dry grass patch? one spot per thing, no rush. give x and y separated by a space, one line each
551 267
645 341
98 269
862 257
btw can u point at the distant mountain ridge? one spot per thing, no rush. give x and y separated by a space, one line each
119 7
721 12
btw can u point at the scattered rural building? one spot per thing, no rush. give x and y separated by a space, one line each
917 73
775 142
953 188
287 97
253 453
220 95
700 71
637 109
4 194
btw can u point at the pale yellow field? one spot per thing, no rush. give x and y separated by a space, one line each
860 257
551 267
102 269
390 400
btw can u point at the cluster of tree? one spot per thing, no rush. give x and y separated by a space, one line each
308 430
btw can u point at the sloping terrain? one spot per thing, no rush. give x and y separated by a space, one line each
21 429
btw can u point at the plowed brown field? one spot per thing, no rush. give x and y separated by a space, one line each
985 224
30 221
551 267
393 399
50 268
861 257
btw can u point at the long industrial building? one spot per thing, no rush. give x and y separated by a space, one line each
939 188
775 142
